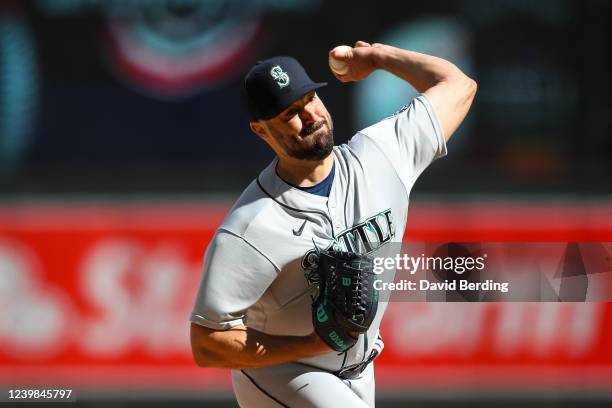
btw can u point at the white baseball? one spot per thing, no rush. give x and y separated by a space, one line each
338 66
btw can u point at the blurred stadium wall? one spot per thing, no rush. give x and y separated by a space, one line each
122 145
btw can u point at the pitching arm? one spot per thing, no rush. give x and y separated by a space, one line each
449 90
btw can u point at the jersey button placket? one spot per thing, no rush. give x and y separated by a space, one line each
335 216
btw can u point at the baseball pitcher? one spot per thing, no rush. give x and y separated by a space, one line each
286 299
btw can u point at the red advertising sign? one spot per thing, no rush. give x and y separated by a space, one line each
98 297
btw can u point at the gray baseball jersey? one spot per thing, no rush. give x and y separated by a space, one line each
256 267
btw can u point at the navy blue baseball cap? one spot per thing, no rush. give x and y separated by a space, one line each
273 84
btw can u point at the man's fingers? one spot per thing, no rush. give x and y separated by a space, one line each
339 55
342 52
362 44
341 78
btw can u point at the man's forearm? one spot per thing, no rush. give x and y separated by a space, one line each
242 347
420 70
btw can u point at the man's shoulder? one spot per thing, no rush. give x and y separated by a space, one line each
248 209
388 124
362 144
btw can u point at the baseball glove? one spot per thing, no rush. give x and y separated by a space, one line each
347 301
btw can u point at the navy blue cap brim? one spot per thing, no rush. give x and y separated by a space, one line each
295 95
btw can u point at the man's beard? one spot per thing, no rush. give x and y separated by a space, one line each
314 147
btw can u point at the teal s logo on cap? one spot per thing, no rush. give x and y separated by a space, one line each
273 84
280 76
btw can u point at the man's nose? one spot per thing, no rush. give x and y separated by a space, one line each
309 115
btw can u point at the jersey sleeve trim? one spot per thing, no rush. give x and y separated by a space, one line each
225 325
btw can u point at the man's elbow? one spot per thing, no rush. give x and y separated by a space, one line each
203 358
202 347
472 87
464 90
464 84
207 358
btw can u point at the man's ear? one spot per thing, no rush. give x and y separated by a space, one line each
258 128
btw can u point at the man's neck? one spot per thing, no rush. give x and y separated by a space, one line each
304 173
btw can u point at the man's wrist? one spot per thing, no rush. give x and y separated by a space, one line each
376 57
380 55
